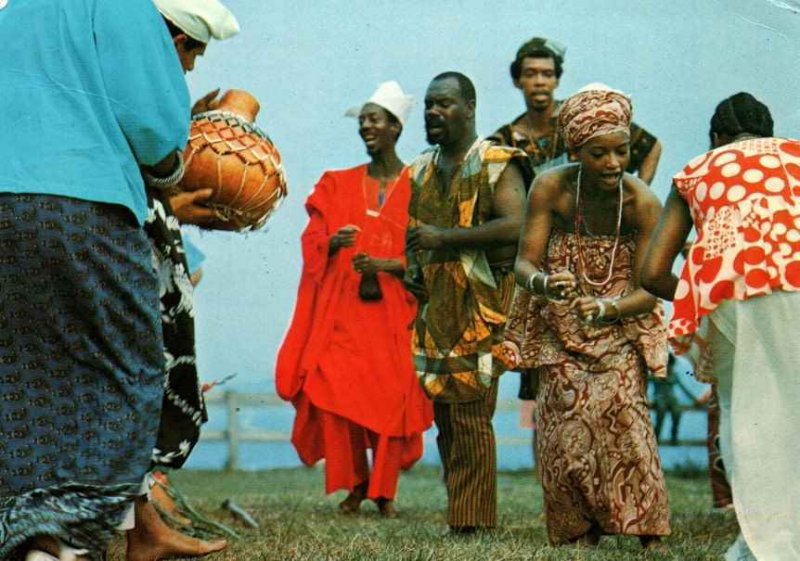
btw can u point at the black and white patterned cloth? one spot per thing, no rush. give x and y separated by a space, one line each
183 410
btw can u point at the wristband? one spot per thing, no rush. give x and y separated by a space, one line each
168 181
618 315
530 284
601 311
605 304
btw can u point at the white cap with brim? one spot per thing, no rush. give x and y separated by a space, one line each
391 97
200 19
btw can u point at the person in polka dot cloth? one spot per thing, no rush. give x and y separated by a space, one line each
742 280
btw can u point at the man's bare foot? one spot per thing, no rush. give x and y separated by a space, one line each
352 504
151 539
386 508
45 544
47 548
37 555
160 496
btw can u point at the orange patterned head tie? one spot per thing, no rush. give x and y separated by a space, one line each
595 110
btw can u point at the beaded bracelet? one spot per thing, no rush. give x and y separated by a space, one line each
603 304
168 181
531 284
545 284
613 303
601 310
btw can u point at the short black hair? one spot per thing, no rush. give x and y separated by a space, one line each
516 66
741 113
174 31
465 85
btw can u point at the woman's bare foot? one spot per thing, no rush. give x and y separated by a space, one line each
151 539
352 504
652 543
386 508
589 539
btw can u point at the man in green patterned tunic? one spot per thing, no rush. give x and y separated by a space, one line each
467 204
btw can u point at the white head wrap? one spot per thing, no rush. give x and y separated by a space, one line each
391 97
200 19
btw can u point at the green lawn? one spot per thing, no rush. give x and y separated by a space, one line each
299 522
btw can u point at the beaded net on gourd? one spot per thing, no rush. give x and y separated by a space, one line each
240 163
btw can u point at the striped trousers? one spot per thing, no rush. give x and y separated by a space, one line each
469 458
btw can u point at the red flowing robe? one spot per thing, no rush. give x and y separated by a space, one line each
346 364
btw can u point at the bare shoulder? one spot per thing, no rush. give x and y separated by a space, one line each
640 195
555 182
642 207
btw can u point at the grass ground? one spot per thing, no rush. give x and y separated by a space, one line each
298 522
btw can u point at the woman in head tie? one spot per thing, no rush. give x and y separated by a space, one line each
595 333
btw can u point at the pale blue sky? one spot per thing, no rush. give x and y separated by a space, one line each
309 61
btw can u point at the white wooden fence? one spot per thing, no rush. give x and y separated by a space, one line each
233 434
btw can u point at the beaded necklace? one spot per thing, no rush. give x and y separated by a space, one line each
580 221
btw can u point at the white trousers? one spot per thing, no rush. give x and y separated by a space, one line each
756 350
129 522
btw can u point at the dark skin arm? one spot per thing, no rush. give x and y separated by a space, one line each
163 168
344 237
647 171
666 243
364 264
509 205
188 207
544 202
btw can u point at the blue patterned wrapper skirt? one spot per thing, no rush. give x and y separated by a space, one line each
81 368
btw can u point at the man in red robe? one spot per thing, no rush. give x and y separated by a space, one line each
346 361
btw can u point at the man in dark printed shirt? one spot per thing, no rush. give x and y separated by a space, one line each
536 71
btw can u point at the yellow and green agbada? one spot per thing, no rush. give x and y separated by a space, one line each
459 326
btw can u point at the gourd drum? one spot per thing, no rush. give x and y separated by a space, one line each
237 160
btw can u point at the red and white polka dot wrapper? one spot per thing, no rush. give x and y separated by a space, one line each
745 203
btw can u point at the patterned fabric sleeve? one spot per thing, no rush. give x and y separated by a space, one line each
502 136
642 143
